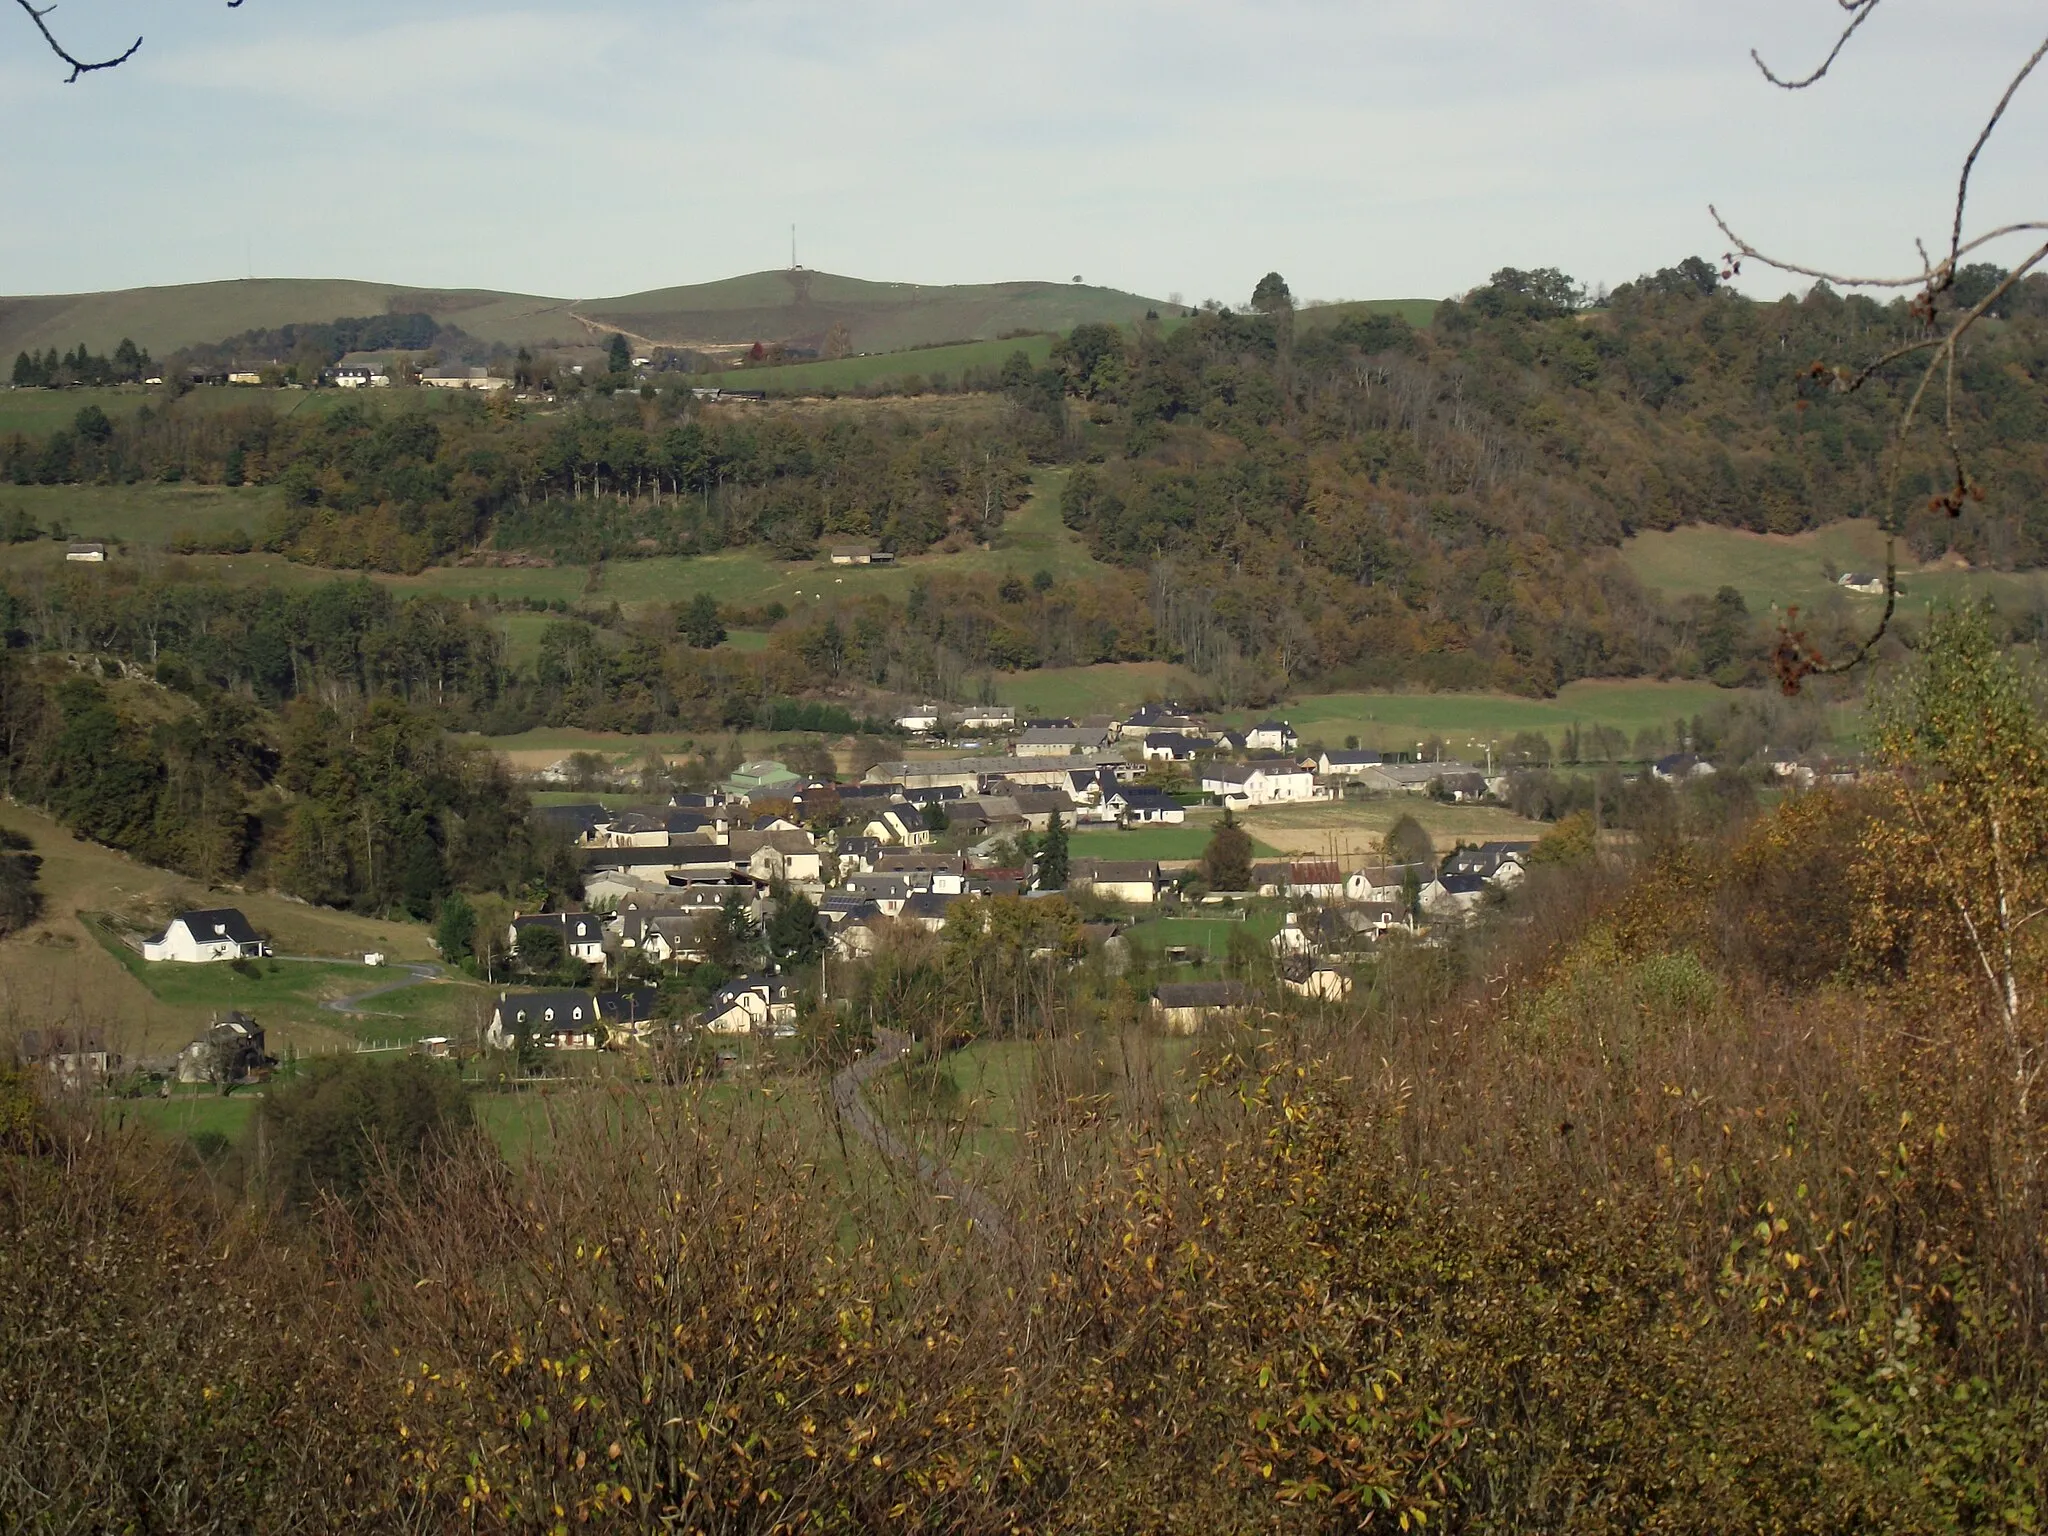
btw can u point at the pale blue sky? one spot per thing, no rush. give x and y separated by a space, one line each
1365 149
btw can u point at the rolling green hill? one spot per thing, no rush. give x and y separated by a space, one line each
791 307
162 320
801 307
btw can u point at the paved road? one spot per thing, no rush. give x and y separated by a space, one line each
412 975
890 1048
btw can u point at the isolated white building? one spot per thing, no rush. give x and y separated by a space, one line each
200 938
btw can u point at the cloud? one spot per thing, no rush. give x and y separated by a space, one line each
1362 147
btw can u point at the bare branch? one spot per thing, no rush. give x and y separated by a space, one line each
1861 10
1970 162
78 66
82 66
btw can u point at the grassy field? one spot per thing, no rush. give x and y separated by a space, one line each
1466 722
145 517
57 969
1784 570
1167 843
1417 312
1351 831
1211 935
886 370
1076 692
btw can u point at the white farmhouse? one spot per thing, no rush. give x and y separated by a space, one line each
199 938
1260 783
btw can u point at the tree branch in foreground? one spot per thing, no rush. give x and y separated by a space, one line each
1946 328
82 66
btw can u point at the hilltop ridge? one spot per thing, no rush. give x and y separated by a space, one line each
795 307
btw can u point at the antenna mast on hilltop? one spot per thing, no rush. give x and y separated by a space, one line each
792 250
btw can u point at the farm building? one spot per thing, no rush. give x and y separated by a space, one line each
1132 880
86 554
463 378
1184 1007
201 938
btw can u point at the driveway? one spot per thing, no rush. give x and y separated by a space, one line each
890 1048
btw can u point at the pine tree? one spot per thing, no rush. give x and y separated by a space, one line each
1227 861
1052 856
621 354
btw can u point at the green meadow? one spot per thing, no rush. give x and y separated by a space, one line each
885 372
1782 571
1170 843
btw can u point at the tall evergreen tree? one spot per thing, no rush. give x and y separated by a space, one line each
1227 861
1052 856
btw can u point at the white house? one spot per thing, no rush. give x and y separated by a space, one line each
1135 805
1318 979
582 933
1681 767
1134 881
988 717
750 1003
1261 783
1271 736
1347 764
779 855
921 721
90 553
1863 582
852 554
463 378
565 1021
198 938
1184 1007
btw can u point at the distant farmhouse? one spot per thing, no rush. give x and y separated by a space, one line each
201 938
463 378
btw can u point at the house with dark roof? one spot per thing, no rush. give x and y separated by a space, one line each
749 1003
231 1051
578 823
1346 764
1139 806
1271 736
1136 881
1502 862
201 938
560 1021
582 933
1182 1007
1681 768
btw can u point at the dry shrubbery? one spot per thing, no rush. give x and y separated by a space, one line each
1688 1197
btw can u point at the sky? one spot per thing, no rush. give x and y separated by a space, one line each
1363 148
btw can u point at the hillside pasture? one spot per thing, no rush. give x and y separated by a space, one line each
59 969
1466 722
1417 312
147 517
1785 570
885 372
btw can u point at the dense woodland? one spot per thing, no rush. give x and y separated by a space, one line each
362 803
1280 499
